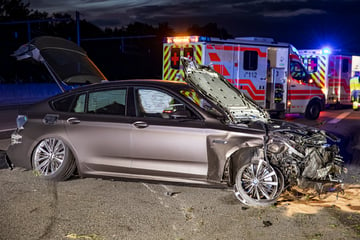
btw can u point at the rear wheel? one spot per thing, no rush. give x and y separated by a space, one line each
258 184
53 160
313 110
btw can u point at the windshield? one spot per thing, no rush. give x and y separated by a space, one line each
72 67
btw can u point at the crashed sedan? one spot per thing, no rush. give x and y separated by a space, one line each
201 131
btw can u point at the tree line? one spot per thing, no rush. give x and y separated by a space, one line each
120 52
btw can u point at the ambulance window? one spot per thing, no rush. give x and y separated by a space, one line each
297 70
311 64
175 58
250 60
189 53
345 65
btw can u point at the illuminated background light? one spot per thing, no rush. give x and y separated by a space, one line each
326 50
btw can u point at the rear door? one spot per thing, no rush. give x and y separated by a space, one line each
99 129
252 74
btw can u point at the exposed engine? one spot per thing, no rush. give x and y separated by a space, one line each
304 154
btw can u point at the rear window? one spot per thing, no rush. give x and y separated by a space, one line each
175 58
311 64
345 65
189 53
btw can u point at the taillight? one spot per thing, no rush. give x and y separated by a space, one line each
20 121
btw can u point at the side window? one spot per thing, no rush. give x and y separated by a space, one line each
175 58
345 65
155 103
107 102
63 104
297 71
250 60
311 64
79 106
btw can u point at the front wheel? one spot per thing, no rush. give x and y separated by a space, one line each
53 160
258 184
313 110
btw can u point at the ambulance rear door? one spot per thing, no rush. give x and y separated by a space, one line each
221 58
250 71
339 79
172 66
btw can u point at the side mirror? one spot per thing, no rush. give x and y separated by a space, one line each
180 114
176 112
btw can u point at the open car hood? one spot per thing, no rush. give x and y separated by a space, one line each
67 62
238 106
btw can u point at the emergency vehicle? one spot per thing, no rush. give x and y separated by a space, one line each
269 72
332 71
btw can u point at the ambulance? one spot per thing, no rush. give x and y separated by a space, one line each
269 72
332 71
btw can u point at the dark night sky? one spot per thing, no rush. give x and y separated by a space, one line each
304 23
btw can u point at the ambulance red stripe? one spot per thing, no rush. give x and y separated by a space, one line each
252 95
236 48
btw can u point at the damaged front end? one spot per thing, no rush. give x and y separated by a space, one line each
292 154
304 154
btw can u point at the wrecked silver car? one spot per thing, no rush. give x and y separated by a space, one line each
202 131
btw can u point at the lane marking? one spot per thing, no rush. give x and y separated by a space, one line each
149 188
339 118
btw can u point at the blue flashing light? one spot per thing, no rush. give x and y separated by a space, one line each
204 39
326 50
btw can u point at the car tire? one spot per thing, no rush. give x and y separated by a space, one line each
313 110
53 160
258 184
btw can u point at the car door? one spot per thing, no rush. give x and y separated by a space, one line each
99 130
167 138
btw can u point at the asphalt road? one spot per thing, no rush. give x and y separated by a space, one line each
32 208
90 208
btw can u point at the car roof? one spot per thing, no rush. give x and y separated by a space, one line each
173 85
152 82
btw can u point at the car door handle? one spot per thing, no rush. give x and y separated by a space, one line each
73 120
140 124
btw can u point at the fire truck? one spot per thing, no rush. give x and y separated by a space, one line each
332 71
269 72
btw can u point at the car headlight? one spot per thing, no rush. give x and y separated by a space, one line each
276 147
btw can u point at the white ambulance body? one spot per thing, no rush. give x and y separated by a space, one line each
270 73
332 72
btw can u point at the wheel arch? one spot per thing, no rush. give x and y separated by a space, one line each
66 142
239 158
